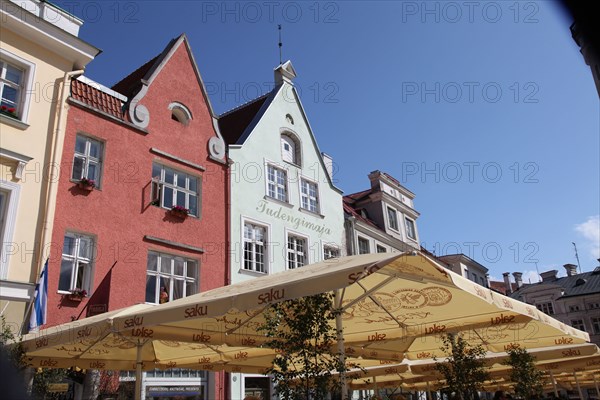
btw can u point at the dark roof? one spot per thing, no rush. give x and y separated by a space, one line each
128 85
358 195
349 209
574 285
233 123
96 98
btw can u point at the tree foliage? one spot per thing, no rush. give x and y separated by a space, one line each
302 333
464 369
527 378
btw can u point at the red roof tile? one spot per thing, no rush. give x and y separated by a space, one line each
96 98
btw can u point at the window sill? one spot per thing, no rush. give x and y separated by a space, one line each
76 183
292 164
16 123
252 272
316 214
274 200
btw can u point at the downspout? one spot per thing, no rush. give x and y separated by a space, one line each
227 246
50 206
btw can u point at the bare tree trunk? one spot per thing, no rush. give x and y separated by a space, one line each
91 384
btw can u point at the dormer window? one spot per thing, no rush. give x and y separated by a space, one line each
180 113
290 149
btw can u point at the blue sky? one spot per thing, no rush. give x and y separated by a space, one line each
485 110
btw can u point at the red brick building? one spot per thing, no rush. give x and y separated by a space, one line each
149 143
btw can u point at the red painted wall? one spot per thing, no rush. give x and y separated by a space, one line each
118 215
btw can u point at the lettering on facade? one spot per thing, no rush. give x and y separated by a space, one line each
271 296
196 311
296 222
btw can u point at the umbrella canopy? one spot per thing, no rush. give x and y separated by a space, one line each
393 306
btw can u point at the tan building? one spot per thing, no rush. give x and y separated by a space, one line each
39 49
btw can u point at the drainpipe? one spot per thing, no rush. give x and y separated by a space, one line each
50 206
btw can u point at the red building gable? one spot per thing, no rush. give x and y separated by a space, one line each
148 150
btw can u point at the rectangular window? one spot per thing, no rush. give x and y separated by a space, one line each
87 161
309 195
170 277
578 324
276 183
392 218
330 252
546 308
363 246
76 263
255 240
11 88
381 249
410 228
171 188
296 251
573 308
596 325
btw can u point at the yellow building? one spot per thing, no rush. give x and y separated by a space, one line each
39 50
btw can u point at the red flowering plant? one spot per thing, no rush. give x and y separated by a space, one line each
87 182
10 111
180 209
79 292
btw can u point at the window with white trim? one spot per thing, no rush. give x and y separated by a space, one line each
392 218
255 247
309 193
87 160
596 325
171 187
76 268
296 252
410 228
330 252
170 277
546 308
381 249
11 88
290 149
277 183
363 246
9 198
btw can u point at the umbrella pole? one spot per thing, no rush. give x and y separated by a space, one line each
428 395
596 384
138 372
554 384
578 387
340 342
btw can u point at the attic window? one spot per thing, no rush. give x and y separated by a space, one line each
180 113
290 149
580 282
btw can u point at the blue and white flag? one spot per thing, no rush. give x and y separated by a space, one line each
38 313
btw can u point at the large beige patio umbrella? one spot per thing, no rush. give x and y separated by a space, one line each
393 306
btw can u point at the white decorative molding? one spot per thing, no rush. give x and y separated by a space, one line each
12 191
138 113
10 290
19 158
216 147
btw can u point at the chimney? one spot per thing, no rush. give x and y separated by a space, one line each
549 276
328 164
518 279
284 73
507 286
488 283
374 178
571 269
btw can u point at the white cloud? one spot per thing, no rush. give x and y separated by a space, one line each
590 230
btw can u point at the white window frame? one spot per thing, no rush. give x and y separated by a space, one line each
159 184
392 220
265 243
12 191
76 260
297 147
546 307
308 197
582 328
358 239
276 183
329 249
88 159
180 113
378 247
595 321
26 88
171 276
295 251
414 228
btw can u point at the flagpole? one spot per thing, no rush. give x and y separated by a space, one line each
42 279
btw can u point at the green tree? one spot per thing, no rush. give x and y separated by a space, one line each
527 378
464 368
302 333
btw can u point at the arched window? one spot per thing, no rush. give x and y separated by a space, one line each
290 149
180 113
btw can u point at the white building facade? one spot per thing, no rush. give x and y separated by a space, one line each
285 211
